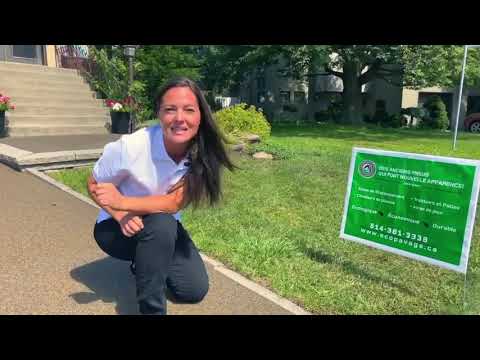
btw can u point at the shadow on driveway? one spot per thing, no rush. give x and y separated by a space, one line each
110 281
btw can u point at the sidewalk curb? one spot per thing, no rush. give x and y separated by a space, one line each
218 266
21 159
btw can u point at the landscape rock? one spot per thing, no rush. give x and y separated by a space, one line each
263 155
252 138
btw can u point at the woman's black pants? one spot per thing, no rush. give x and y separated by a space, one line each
166 260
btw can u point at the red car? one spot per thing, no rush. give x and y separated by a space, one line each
472 122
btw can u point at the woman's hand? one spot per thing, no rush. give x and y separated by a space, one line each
130 225
108 195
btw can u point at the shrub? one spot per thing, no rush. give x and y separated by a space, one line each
153 66
413 113
241 119
395 121
110 76
380 117
436 116
290 108
322 116
369 119
335 111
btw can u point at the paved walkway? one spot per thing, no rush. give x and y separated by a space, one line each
51 264
40 144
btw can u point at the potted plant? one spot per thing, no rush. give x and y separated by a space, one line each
120 114
5 105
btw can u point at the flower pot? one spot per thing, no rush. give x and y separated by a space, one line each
2 123
120 122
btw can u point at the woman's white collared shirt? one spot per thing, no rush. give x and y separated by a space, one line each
138 164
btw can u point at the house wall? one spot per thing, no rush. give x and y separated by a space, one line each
320 91
274 85
410 98
50 56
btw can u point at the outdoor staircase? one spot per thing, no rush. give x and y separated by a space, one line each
51 101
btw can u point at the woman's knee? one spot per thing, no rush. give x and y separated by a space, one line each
109 242
192 296
160 225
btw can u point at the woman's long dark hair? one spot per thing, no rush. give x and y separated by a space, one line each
207 152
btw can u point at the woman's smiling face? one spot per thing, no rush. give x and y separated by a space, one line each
179 116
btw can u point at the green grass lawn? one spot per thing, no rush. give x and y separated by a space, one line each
279 225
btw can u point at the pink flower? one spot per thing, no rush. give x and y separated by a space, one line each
12 107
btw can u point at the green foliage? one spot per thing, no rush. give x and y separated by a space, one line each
241 119
436 117
368 119
110 79
411 113
417 112
110 76
322 116
380 117
290 108
439 65
393 121
160 63
284 234
278 151
335 111
153 66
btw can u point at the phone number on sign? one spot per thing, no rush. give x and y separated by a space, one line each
399 236
396 232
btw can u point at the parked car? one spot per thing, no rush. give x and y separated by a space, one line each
472 122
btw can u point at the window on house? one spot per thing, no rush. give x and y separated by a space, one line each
24 51
473 104
285 97
299 97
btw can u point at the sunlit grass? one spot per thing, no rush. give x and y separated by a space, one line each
279 224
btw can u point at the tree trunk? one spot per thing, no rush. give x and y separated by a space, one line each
352 93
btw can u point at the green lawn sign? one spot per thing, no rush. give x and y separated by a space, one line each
418 206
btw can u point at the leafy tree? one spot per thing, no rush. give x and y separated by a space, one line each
413 66
159 63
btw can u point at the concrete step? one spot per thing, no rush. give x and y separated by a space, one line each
62 108
56 119
6 65
16 73
48 92
47 80
8 82
42 130
53 124
26 101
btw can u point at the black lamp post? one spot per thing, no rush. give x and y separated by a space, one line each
129 52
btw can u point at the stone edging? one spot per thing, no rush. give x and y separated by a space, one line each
218 266
20 159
